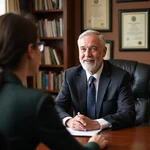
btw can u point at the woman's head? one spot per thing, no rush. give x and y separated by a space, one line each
17 35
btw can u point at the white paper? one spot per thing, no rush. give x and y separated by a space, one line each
82 133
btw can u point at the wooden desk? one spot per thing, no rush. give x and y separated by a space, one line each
136 138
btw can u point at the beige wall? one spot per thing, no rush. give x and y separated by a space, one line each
113 35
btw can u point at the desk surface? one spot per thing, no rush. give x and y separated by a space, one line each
136 138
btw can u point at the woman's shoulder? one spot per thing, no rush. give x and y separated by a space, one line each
34 96
36 93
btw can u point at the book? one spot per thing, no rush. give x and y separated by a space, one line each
56 57
47 56
52 56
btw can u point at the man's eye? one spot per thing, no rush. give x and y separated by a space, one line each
83 49
93 48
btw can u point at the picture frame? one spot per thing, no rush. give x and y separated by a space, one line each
109 53
120 1
134 30
97 15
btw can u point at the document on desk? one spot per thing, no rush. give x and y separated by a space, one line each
82 133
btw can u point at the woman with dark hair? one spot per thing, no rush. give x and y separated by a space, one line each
27 115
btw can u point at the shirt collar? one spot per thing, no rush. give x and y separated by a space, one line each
96 75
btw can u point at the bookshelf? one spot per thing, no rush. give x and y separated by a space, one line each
55 27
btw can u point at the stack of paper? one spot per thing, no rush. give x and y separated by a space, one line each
82 133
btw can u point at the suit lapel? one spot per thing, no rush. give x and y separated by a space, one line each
102 87
82 90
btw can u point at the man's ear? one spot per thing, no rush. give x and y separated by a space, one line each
104 51
30 51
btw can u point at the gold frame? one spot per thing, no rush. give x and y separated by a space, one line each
97 15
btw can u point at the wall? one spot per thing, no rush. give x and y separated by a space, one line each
113 35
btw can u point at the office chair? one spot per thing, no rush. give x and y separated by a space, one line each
140 76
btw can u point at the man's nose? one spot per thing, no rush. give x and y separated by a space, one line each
88 52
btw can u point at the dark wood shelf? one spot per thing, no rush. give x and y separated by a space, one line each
48 11
51 66
63 45
52 91
51 38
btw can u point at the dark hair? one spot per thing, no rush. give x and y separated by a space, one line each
16 33
29 16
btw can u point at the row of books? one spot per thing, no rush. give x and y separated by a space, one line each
47 4
49 80
50 28
51 56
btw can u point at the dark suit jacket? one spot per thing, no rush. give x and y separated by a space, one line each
4 142
28 117
114 101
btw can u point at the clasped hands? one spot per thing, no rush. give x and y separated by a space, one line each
82 123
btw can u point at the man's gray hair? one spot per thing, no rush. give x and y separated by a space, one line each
90 32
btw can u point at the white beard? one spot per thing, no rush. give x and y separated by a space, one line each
90 67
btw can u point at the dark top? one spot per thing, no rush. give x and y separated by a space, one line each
28 117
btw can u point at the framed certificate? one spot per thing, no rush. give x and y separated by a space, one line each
118 1
109 53
134 30
97 14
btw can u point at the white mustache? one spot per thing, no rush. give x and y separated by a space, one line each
86 59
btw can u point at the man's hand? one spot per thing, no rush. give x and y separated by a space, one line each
88 123
82 123
75 124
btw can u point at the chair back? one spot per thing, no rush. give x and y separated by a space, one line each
140 76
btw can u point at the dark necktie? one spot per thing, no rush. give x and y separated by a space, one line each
91 94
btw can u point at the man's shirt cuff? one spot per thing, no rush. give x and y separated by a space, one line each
65 119
103 123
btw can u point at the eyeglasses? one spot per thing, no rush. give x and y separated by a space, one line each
40 45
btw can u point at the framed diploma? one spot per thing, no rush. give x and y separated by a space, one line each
97 14
118 1
134 29
109 53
